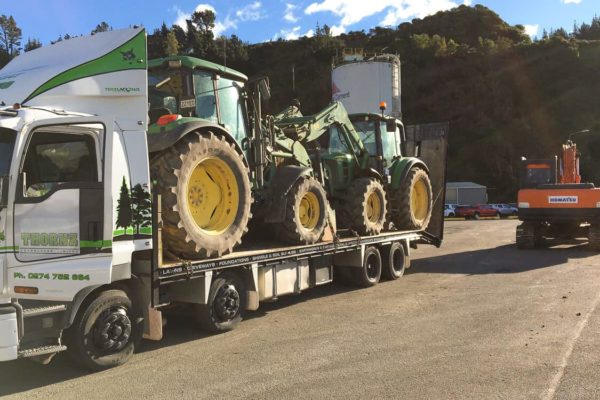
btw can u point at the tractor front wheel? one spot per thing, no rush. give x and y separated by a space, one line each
306 210
365 208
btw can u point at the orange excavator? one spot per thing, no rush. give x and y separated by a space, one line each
554 203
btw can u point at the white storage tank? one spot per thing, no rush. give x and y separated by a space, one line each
362 84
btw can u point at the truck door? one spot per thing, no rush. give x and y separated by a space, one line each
429 142
59 201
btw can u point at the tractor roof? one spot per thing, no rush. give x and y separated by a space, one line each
197 63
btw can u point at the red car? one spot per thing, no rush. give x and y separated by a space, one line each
480 210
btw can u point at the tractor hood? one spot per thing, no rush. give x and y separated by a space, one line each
99 74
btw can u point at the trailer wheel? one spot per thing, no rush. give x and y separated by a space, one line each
226 301
394 261
306 213
106 332
370 273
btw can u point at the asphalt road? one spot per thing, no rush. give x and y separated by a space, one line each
475 319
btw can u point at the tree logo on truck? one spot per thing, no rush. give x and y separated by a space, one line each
134 211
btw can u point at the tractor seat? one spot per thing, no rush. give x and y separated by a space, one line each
155 113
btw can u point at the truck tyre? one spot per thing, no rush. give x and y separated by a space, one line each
370 273
206 196
226 301
413 201
306 212
394 261
105 332
594 237
365 207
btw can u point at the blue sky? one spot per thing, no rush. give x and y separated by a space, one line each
262 20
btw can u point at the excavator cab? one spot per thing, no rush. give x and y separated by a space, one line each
537 172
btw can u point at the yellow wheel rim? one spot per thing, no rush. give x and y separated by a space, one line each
213 196
419 201
309 211
374 207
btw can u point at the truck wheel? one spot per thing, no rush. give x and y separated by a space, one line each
594 237
476 216
370 273
413 201
206 196
226 301
394 261
106 332
306 212
365 208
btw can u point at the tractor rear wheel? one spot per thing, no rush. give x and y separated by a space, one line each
365 208
306 211
206 196
413 201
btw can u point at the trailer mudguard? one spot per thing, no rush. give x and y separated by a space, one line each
285 177
400 169
161 138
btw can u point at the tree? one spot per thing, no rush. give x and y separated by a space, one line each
32 44
102 27
171 44
142 206
124 207
10 35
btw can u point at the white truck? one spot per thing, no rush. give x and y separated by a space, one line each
74 161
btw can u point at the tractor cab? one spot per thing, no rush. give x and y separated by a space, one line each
383 137
180 88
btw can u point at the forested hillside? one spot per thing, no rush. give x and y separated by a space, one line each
504 95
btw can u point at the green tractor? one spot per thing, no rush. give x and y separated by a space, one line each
359 158
215 161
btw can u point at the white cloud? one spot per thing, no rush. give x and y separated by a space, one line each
289 13
571 1
467 2
353 11
532 30
251 12
293 33
182 16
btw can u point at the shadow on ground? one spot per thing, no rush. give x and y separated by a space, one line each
503 259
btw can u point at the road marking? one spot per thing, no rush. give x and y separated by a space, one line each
555 382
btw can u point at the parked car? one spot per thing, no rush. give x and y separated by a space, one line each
477 211
505 210
464 211
449 210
